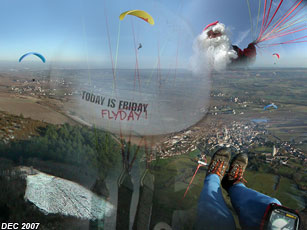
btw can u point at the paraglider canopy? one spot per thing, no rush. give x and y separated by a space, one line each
270 105
140 14
32 53
276 54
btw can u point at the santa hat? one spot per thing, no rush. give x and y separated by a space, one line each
211 24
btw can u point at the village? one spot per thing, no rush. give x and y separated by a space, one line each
43 87
242 136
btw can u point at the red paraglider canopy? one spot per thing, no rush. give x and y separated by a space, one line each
277 55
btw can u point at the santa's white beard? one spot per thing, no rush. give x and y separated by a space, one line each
212 53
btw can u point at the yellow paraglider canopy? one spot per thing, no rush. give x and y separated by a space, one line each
140 14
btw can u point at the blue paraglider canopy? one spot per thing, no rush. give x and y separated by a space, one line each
270 105
33 53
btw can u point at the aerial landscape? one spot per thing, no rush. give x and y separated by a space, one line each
275 141
153 115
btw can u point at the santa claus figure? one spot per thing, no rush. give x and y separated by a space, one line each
216 43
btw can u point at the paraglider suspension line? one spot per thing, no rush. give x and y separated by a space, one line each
110 48
186 191
136 72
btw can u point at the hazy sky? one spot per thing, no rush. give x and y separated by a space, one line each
74 31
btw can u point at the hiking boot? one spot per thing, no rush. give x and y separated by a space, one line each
219 162
236 171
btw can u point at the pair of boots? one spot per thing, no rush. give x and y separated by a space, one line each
220 163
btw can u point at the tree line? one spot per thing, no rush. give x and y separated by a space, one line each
68 144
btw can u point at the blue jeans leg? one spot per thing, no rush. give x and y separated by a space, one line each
213 213
250 205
